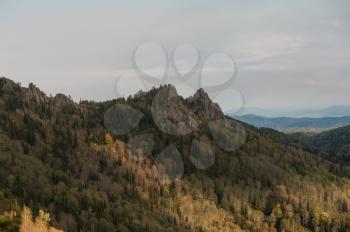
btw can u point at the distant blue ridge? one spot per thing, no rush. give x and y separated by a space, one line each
289 123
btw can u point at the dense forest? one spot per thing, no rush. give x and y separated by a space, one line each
59 157
333 145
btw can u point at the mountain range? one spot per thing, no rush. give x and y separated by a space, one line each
162 163
285 123
316 112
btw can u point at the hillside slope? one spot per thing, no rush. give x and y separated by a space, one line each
207 173
333 145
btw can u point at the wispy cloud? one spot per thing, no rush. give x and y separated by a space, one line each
267 44
335 23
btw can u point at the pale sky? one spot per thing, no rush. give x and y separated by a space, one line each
288 53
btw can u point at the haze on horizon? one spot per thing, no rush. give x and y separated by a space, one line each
289 54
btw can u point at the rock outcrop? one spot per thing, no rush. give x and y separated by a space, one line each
203 107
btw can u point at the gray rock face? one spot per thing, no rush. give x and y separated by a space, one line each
203 107
173 113
36 94
62 99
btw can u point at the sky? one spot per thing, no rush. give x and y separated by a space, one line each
287 54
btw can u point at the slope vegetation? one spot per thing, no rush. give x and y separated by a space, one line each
57 155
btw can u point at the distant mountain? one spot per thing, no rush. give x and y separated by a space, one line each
332 111
285 123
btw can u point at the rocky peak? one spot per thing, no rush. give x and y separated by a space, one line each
8 85
171 111
196 108
204 107
61 99
200 93
34 93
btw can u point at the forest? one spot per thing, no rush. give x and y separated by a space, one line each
62 169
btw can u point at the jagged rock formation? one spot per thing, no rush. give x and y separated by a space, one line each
202 106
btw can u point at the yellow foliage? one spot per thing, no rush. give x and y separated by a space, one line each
324 217
41 223
109 139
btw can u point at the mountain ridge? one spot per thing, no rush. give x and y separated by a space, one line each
319 112
334 144
57 155
284 123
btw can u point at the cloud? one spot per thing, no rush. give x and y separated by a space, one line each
80 47
268 44
335 23
267 50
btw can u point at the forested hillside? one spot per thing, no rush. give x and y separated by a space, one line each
333 145
57 155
